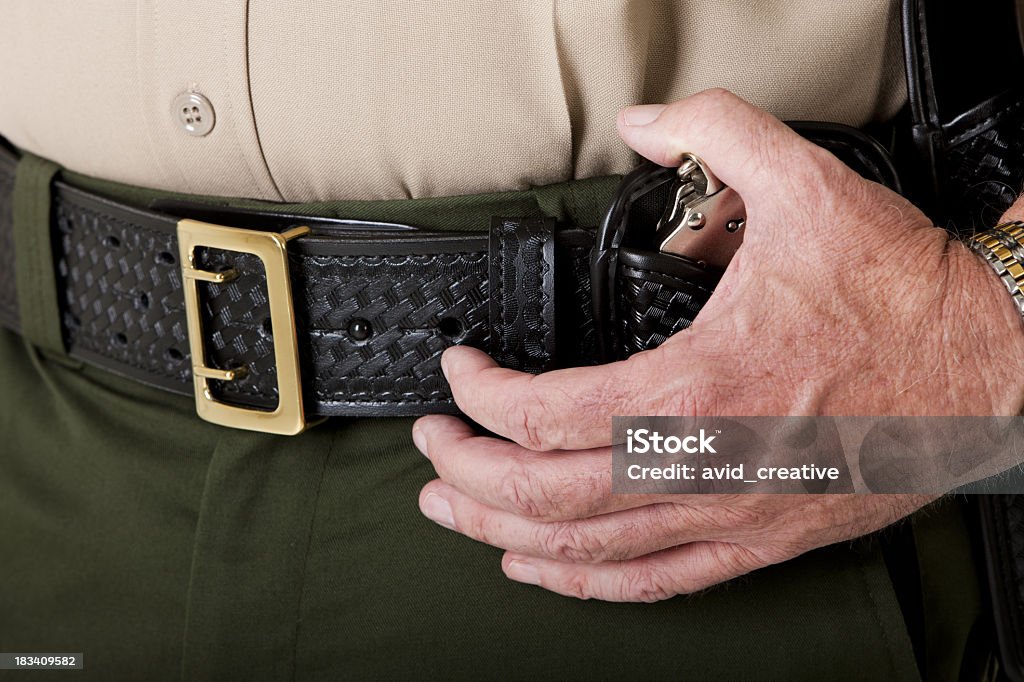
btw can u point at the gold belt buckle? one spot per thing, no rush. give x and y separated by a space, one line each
272 248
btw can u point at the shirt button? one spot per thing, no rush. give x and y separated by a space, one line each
194 113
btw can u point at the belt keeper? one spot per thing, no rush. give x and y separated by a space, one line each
521 279
38 302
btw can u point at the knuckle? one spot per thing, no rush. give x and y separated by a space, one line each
578 585
627 542
534 424
740 517
475 525
717 99
737 559
638 537
700 113
648 583
446 453
524 492
567 541
541 490
641 380
663 518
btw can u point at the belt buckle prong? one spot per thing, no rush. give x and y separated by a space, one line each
288 418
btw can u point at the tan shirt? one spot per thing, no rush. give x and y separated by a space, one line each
334 99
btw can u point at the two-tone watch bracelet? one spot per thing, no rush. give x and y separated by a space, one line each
1003 247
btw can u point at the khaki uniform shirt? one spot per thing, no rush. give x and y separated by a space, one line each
347 99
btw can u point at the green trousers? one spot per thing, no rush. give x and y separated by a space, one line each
164 548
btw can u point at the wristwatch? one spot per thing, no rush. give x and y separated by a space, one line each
1003 247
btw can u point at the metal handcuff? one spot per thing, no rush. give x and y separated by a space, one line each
704 219
696 237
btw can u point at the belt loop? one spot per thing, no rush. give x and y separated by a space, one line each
33 254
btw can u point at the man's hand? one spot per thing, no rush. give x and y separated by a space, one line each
843 300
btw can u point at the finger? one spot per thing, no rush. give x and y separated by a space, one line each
503 475
567 409
748 148
607 537
680 570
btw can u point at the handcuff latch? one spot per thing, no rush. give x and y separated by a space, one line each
705 218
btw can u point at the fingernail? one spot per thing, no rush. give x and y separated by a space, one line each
437 509
642 114
523 572
419 439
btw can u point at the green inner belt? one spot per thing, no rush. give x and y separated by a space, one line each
575 202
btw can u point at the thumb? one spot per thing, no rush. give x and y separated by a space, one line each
747 148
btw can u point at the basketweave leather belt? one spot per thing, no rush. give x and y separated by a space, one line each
272 321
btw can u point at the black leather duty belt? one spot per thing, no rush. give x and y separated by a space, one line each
273 320
273 323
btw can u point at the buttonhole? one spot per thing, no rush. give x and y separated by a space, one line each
451 327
